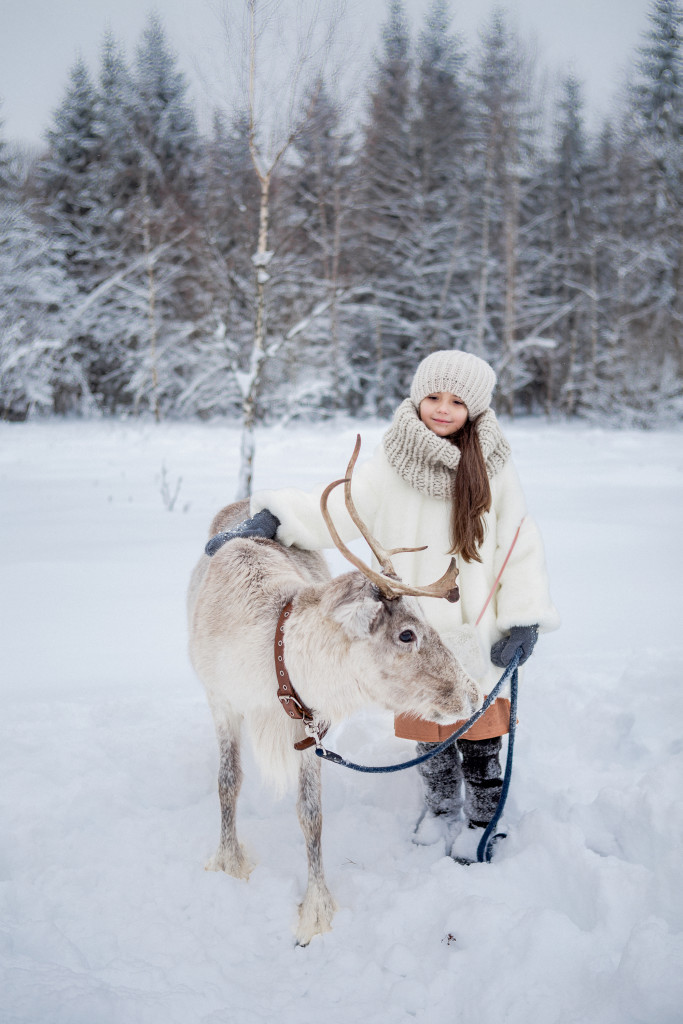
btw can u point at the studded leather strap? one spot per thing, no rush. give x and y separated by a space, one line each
289 698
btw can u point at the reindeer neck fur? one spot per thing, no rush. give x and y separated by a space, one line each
326 667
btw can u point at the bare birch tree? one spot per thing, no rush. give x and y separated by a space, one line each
282 51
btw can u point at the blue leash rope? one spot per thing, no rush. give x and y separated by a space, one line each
485 848
488 840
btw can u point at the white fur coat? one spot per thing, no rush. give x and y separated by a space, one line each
400 516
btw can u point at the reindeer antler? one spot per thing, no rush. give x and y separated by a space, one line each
381 554
387 581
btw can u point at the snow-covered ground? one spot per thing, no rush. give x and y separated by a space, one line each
108 762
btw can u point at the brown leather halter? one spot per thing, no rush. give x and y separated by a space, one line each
289 698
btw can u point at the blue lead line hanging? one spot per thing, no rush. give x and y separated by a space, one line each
485 848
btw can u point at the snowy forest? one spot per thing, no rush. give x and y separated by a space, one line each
148 267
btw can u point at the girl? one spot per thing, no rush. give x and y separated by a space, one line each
443 476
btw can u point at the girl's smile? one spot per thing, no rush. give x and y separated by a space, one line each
443 413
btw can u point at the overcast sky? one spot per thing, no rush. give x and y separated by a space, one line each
40 40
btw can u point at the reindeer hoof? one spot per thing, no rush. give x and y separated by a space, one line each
237 865
315 916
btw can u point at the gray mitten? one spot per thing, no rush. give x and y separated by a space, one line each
263 524
504 649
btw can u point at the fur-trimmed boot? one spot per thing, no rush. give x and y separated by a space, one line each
442 780
482 775
483 784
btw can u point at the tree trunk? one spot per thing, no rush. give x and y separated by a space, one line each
334 313
484 257
261 259
151 298
510 323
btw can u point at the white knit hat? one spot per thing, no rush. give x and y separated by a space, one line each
459 373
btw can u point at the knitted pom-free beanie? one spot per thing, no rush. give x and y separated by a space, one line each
461 374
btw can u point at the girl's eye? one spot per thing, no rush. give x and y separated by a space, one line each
407 636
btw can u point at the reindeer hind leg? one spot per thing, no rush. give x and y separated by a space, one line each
230 856
317 908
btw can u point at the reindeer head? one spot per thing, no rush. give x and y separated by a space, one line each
395 657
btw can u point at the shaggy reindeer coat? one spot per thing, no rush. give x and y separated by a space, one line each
401 515
347 647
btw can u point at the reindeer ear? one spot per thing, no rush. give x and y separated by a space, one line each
358 611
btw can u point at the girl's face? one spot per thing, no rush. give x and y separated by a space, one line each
443 413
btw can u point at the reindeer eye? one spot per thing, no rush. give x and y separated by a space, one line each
407 636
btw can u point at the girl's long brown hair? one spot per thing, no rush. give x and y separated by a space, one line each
471 495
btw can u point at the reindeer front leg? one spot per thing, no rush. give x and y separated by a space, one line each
318 907
230 855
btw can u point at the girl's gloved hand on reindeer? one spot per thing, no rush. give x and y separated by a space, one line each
263 524
503 651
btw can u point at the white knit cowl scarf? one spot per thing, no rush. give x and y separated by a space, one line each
428 462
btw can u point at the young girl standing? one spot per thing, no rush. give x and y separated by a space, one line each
443 476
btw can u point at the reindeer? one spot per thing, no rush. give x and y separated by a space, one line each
356 640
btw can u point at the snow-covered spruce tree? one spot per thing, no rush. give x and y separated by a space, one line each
570 270
115 188
312 222
503 184
64 184
617 271
80 190
228 200
657 92
634 367
104 312
160 220
67 172
36 367
655 141
230 195
386 225
611 193
442 143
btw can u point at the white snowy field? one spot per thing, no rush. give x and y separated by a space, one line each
108 761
